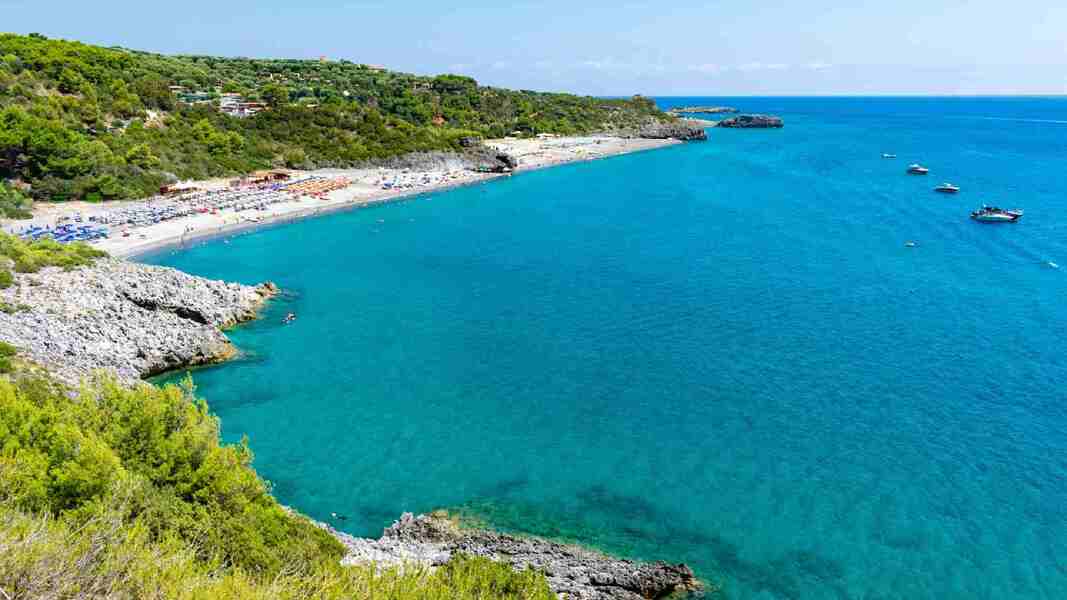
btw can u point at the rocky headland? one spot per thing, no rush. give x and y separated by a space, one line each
706 110
573 572
687 130
753 122
132 319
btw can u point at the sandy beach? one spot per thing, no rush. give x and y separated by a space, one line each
366 189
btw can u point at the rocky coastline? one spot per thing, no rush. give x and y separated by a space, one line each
706 110
573 572
753 122
131 319
686 130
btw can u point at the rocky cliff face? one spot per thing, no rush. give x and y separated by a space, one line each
573 572
135 320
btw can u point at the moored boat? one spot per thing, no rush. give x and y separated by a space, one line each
887 155
917 169
992 214
947 188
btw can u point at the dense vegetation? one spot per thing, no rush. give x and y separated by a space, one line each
117 492
29 257
7 352
80 121
13 203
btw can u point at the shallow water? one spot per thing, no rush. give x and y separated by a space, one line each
717 353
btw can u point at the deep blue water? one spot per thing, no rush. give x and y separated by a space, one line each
718 353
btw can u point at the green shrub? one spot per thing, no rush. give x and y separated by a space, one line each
7 352
161 447
106 556
126 493
30 257
14 204
6 279
10 309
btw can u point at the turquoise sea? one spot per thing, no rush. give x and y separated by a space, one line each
720 353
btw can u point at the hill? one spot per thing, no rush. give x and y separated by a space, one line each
85 122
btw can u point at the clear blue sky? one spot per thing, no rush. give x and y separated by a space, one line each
673 47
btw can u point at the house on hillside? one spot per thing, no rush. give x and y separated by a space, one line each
194 97
236 106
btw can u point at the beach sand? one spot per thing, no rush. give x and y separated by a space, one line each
366 190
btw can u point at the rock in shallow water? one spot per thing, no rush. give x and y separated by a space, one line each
135 320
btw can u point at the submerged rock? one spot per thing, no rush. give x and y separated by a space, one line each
752 122
132 319
572 572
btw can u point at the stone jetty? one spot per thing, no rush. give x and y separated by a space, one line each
132 319
573 572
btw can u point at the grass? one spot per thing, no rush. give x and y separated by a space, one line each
106 557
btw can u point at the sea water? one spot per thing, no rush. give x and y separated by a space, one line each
721 353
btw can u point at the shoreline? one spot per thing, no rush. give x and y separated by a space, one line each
384 197
532 155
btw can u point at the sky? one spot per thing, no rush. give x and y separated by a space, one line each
672 47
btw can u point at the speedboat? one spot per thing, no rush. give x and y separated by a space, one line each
886 155
992 214
947 188
917 169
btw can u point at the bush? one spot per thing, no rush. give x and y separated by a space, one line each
107 557
30 257
7 352
14 204
160 447
6 279
127 493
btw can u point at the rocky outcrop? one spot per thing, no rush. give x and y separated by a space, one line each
707 110
679 129
135 320
752 122
475 156
573 572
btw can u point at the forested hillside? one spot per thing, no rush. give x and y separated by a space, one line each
81 121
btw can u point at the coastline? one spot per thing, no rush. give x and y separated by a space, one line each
532 155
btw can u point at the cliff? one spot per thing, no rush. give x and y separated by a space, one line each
135 320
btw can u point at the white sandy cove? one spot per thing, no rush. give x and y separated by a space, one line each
365 190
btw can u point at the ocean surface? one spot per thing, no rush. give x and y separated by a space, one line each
720 353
